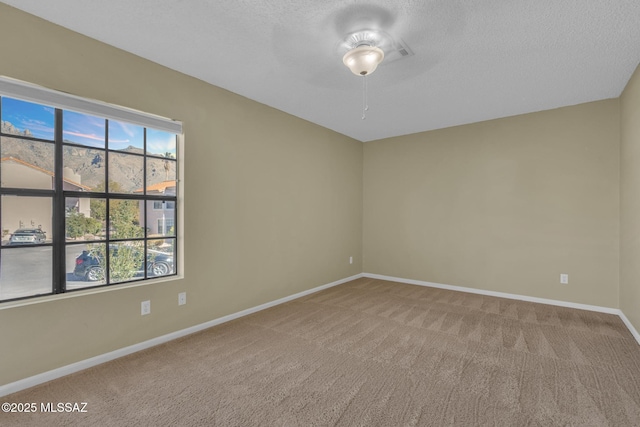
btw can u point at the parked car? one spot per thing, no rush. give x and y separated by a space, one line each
27 236
88 266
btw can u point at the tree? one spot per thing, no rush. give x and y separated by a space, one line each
98 209
99 206
78 225
123 219
125 258
167 165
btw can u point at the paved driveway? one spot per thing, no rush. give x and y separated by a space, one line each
27 271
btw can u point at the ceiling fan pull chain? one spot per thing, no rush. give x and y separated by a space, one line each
365 101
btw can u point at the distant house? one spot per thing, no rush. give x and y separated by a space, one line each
160 215
35 212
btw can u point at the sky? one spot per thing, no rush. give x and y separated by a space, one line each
84 129
37 118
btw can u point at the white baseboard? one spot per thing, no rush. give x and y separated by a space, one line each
595 308
633 330
496 294
97 360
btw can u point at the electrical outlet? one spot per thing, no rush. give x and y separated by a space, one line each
564 279
145 307
350 260
182 298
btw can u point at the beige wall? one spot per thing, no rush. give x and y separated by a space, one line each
504 205
273 204
630 201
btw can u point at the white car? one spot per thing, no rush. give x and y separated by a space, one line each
27 236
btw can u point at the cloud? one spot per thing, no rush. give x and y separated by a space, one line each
37 127
160 142
128 128
85 135
81 120
161 147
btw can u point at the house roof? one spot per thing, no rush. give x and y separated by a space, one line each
39 169
160 187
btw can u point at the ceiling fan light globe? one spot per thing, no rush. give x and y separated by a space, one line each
363 60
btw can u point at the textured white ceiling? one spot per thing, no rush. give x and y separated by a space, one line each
473 60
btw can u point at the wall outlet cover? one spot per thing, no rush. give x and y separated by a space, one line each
145 308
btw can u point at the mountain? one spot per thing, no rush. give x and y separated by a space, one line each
89 163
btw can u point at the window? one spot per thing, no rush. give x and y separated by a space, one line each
159 206
79 182
165 225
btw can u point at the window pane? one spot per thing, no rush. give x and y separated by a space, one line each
161 176
160 256
27 164
27 119
86 265
126 173
125 136
126 219
26 220
26 272
84 169
126 261
160 143
79 128
161 222
85 219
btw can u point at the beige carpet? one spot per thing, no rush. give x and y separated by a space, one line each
366 353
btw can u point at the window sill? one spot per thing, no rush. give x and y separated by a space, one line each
84 292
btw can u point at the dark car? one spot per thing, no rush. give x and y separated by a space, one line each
27 236
88 266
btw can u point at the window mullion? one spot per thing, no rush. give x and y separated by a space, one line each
146 203
59 254
107 212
